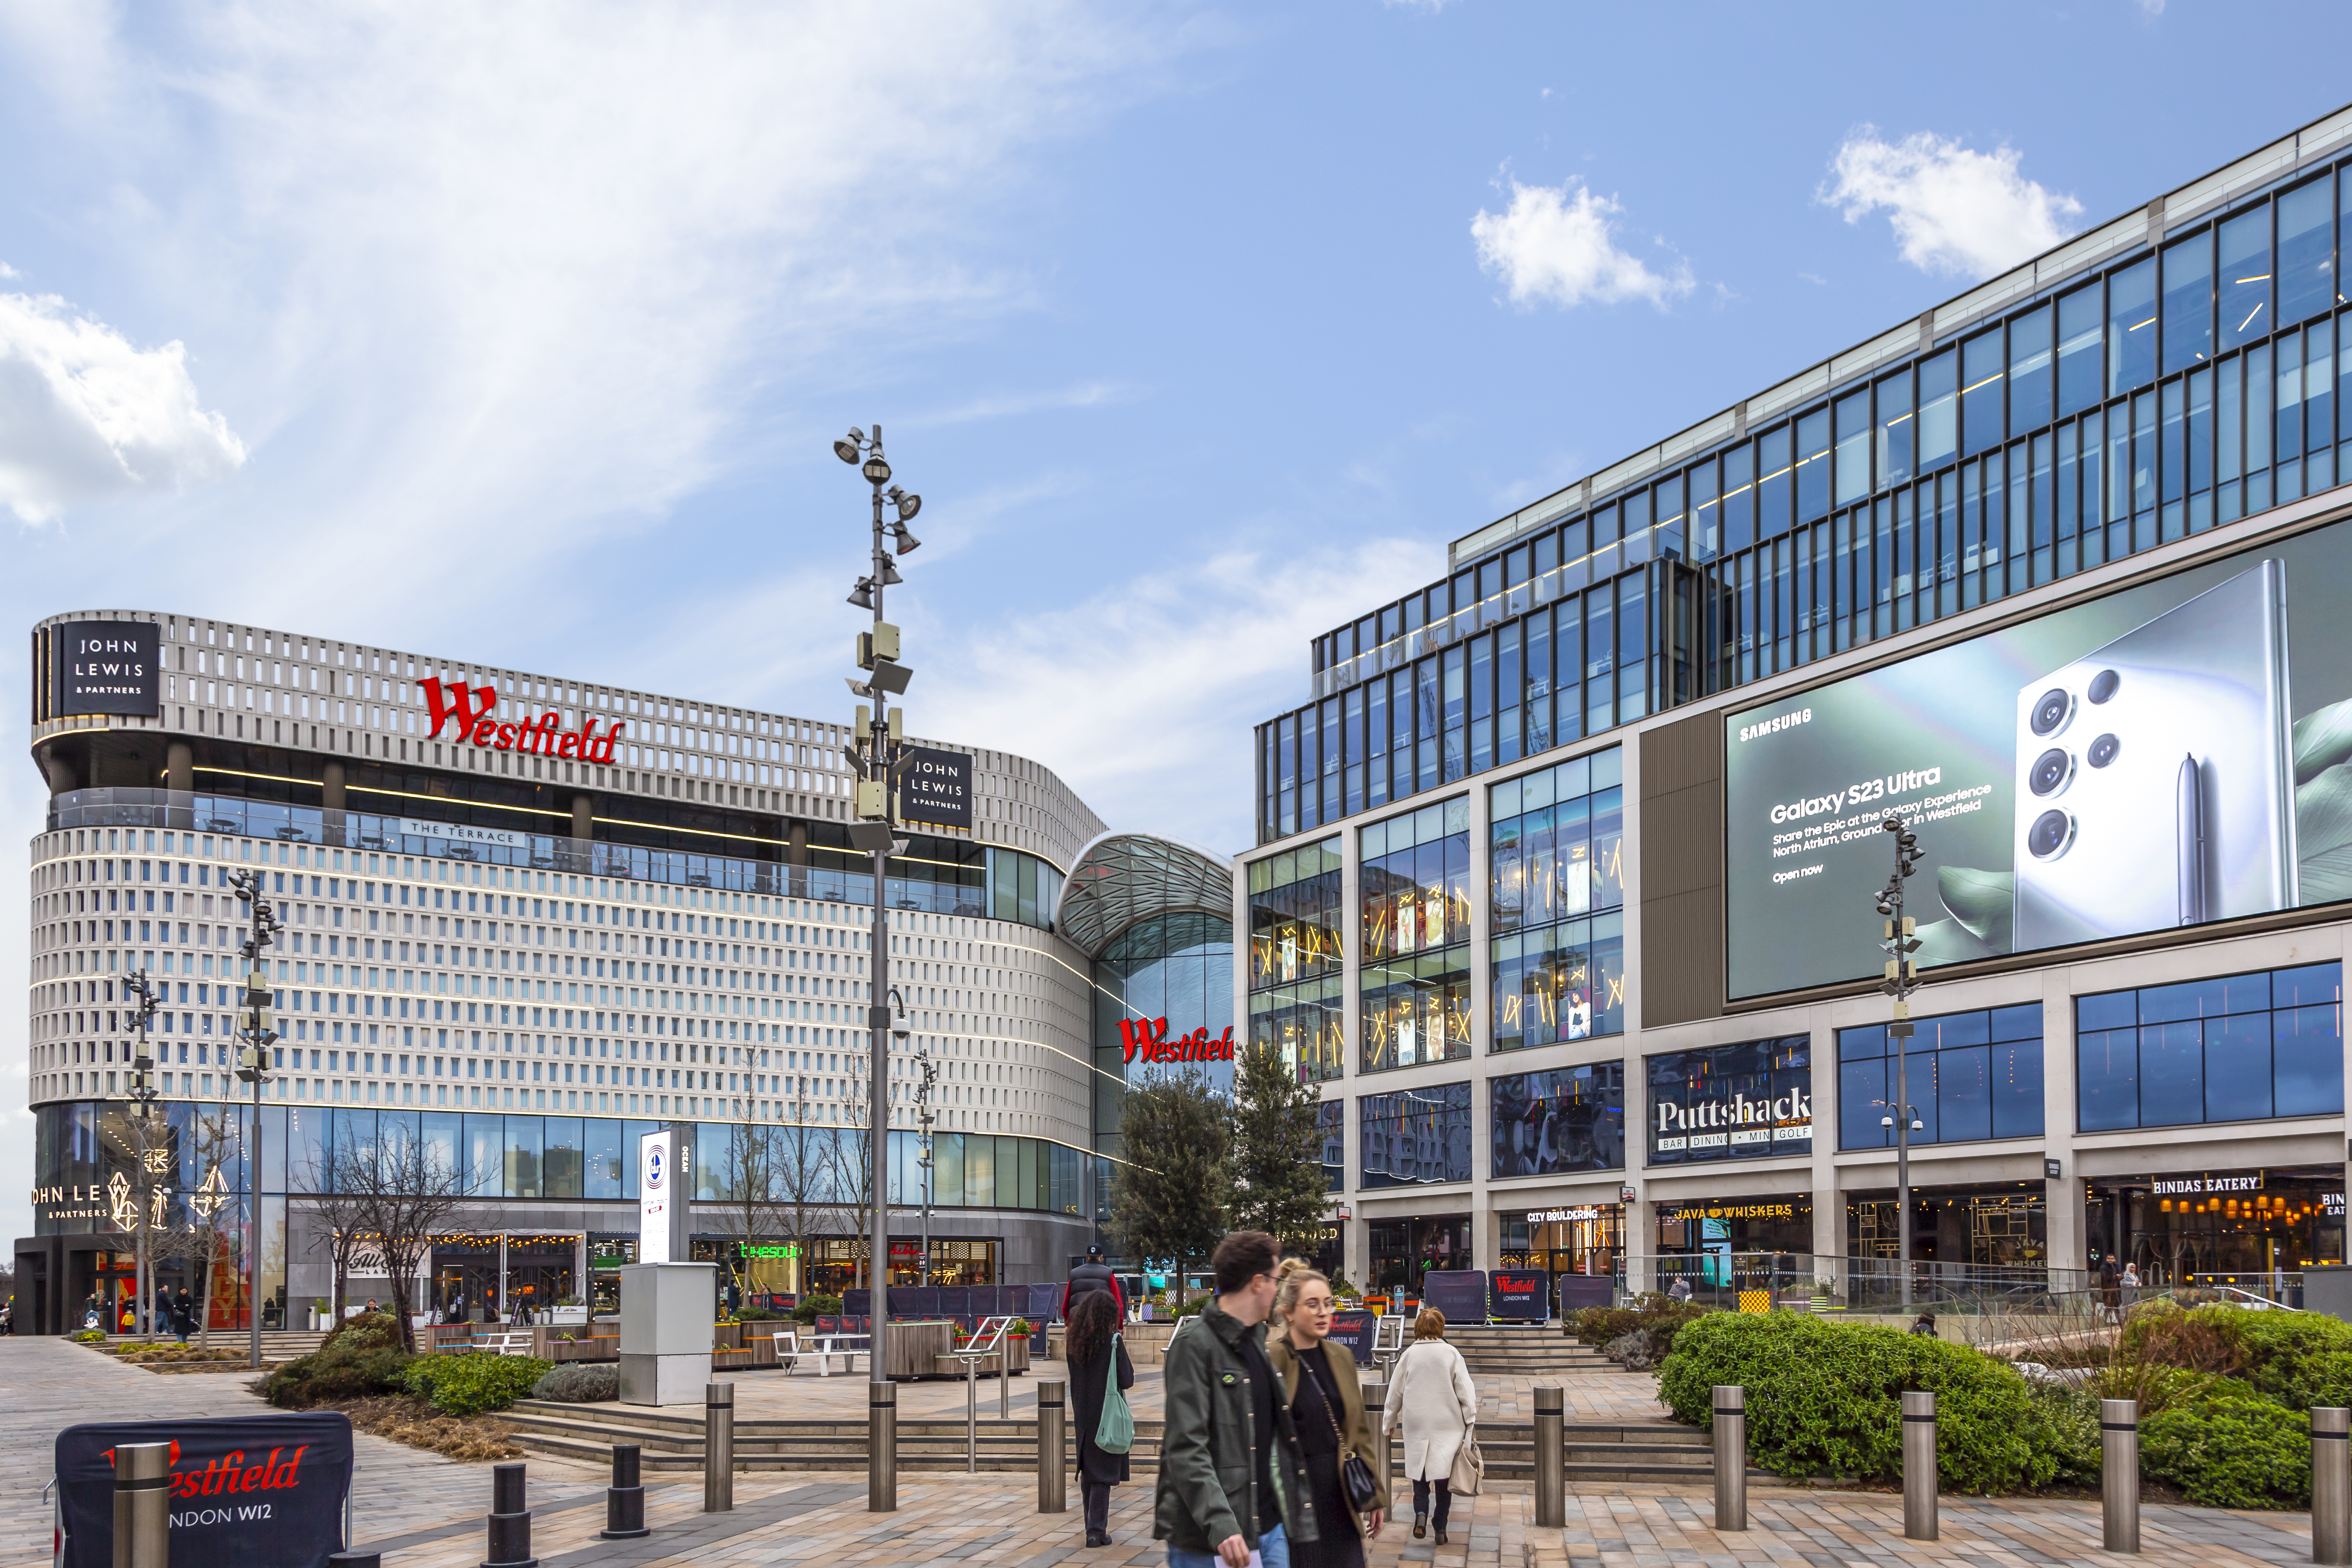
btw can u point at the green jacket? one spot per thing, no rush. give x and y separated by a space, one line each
1207 1490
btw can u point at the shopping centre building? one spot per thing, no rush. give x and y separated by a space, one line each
528 919
1565 877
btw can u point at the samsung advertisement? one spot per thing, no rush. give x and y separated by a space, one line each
2165 756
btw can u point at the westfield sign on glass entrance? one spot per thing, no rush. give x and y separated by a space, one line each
474 712
1147 1037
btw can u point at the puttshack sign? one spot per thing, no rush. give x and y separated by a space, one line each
246 1491
1147 1039
472 713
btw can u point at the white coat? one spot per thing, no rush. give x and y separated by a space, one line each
1430 1390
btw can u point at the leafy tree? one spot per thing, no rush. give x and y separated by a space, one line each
1277 1166
1168 1200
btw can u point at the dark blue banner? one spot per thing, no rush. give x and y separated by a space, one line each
1520 1295
1459 1293
264 1491
1354 1330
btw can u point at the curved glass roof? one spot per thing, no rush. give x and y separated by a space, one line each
1122 879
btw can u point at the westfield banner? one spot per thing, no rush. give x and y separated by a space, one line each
246 1492
472 712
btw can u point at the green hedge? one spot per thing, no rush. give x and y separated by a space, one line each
1661 1314
469 1384
2230 1449
1826 1398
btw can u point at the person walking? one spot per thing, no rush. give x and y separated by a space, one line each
184 1314
1326 1411
1431 1395
1092 1275
1231 1486
1096 1355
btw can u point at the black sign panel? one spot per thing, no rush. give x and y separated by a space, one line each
107 667
246 1492
1354 1330
1520 1295
935 787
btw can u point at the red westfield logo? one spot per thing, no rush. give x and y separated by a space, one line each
473 712
1149 1038
230 1473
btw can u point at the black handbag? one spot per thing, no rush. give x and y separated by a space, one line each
1355 1476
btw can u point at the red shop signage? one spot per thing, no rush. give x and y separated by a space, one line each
474 709
1149 1038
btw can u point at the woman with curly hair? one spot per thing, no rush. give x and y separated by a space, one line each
1095 1353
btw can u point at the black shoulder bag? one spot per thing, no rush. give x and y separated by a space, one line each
1355 1476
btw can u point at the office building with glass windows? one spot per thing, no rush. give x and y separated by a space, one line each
1565 876
526 920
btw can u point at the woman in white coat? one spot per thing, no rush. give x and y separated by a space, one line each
1430 1393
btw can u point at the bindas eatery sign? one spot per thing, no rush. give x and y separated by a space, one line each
246 1491
473 711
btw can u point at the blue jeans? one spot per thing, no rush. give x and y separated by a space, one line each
1272 1547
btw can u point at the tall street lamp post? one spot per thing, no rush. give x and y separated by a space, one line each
262 926
877 753
1899 942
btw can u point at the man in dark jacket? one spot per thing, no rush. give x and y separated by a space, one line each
1230 1478
1094 1274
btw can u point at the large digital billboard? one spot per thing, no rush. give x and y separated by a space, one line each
2165 755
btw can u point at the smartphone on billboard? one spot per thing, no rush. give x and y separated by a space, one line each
2155 785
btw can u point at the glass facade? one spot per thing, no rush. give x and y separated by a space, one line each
1415 1137
1559 1122
1176 967
2167 388
2238 1048
1970 1076
1415 882
1297 997
1556 862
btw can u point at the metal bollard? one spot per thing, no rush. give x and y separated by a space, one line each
1004 1384
719 1448
624 1499
1730 1402
1551 1469
354 1560
510 1521
143 1505
971 1415
1052 1459
2119 1474
1919 1465
882 1453
2331 1484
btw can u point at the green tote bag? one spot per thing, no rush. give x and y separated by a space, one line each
1115 1433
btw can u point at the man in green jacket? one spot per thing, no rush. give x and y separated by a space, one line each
1231 1481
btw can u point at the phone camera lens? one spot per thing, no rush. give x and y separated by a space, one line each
2052 832
2051 770
2103 750
2051 711
2103 684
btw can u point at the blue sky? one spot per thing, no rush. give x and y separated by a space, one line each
521 336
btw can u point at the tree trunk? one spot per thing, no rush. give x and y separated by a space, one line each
204 1300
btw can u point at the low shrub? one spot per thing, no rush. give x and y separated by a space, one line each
1661 1314
816 1307
2064 1422
469 1384
90 1337
2230 1449
580 1383
1636 1349
360 1357
1826 1398
2300 1359
2207 1340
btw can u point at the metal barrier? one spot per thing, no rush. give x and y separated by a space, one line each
143 1505
1551 1456
1730 1404
882 1456
509 1521
719 1448
1052 1459
624 1499
2119 1474
1919 1465
2331 1484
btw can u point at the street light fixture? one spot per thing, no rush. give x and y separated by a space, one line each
1899 942
879 753
255 1021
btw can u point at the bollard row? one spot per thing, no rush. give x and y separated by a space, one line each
1053 1456
718 1447
624 1499
1730 1409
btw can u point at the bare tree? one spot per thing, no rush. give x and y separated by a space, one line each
403 1191
750 1169
805 1156
338 1238
853 1183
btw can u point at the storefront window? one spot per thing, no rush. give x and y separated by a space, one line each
1415 1136
1403 1250
1747 1101
1970 1076
1415 880
1559 1121
1982 1227
1297 995
2239 1048
1557 959
2248 1228
1587 1239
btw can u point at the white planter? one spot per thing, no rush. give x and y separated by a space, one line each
567 1317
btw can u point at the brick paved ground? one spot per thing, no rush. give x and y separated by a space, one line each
425 1511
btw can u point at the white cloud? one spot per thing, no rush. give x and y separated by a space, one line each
85 416
1954 210
1557 245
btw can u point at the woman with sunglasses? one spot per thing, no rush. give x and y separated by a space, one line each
1326 1407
